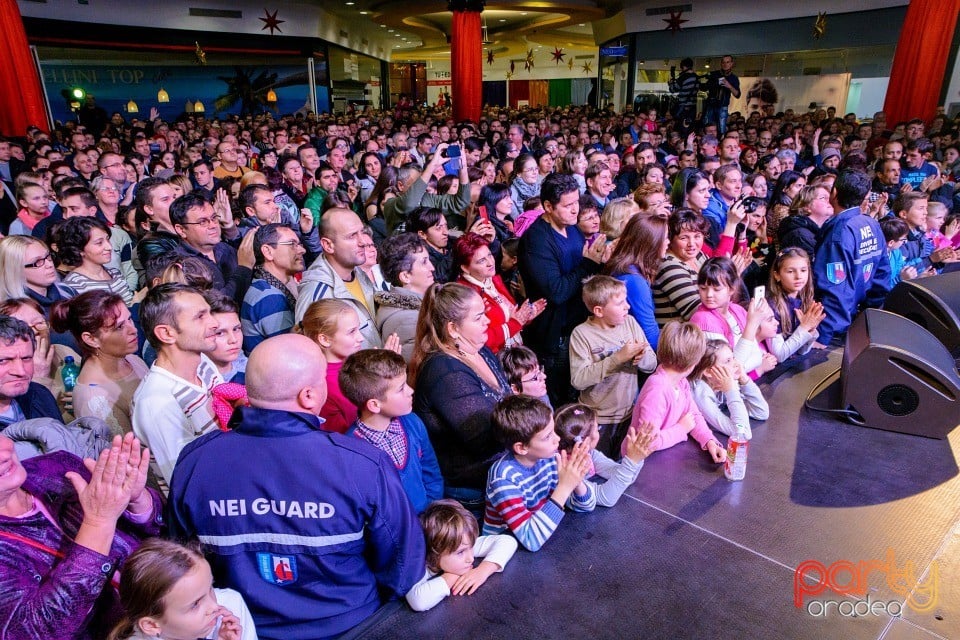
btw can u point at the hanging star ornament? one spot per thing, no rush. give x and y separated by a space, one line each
528 62
674 22
820 25
271 22
509 75
587 67
558 55
200 55
570 64
490 56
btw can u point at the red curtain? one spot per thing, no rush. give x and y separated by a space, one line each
21 97
466 65
920 63
519 91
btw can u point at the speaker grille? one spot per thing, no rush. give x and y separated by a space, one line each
898 400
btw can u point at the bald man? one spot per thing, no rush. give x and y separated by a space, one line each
337 273
310 526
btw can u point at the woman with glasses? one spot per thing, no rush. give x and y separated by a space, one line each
524 181
47 357
84 244
27 271
476 267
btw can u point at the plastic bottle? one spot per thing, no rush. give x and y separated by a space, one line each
735 468
69 373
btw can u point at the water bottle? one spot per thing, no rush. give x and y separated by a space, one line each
735 468
69 373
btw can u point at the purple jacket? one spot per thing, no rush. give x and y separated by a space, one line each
43 596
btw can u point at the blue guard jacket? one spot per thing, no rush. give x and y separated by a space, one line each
311 527
851 270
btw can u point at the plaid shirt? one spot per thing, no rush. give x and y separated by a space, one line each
393 440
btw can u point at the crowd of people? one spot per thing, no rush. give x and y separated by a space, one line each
341 358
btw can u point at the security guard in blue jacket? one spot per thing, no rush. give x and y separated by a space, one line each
311 527
851 268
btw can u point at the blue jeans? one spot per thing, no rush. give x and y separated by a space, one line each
717 115
473 500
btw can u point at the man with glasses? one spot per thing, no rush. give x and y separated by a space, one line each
270 303
111 166
199 228
229 166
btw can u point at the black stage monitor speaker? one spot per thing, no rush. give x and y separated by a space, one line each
899 377
933 303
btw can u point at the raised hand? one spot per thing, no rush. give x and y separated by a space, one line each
812 317
640 443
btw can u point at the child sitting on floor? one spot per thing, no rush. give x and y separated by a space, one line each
452 545
666 401
529 487
576 423
720 387
375 380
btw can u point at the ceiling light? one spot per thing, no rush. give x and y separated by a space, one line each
503 19
363 13
583 24
349 4
383 26
523 13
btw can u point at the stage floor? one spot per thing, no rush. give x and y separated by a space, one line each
687 554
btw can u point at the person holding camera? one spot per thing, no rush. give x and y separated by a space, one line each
726 193
412 189
721 84
686 86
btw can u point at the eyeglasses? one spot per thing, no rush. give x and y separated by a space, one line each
289 243
39 262
109 189
204 222
539 376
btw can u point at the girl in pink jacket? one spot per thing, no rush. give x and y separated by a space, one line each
666 401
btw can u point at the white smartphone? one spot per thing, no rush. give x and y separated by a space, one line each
759 294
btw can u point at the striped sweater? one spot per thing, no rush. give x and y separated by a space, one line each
518 500
675 294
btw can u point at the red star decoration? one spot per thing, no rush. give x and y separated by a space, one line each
674 22
490 57
558 55
271 22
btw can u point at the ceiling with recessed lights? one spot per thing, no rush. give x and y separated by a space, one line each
511 27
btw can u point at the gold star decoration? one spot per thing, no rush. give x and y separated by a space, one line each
558 55
489 56
570 64
674 22
528 63
271 22
587 67
820 25
509 75
200 55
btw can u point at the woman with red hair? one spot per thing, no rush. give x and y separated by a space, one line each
477 269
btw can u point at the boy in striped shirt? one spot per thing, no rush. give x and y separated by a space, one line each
531 485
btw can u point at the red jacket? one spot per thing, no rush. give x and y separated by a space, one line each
496 336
